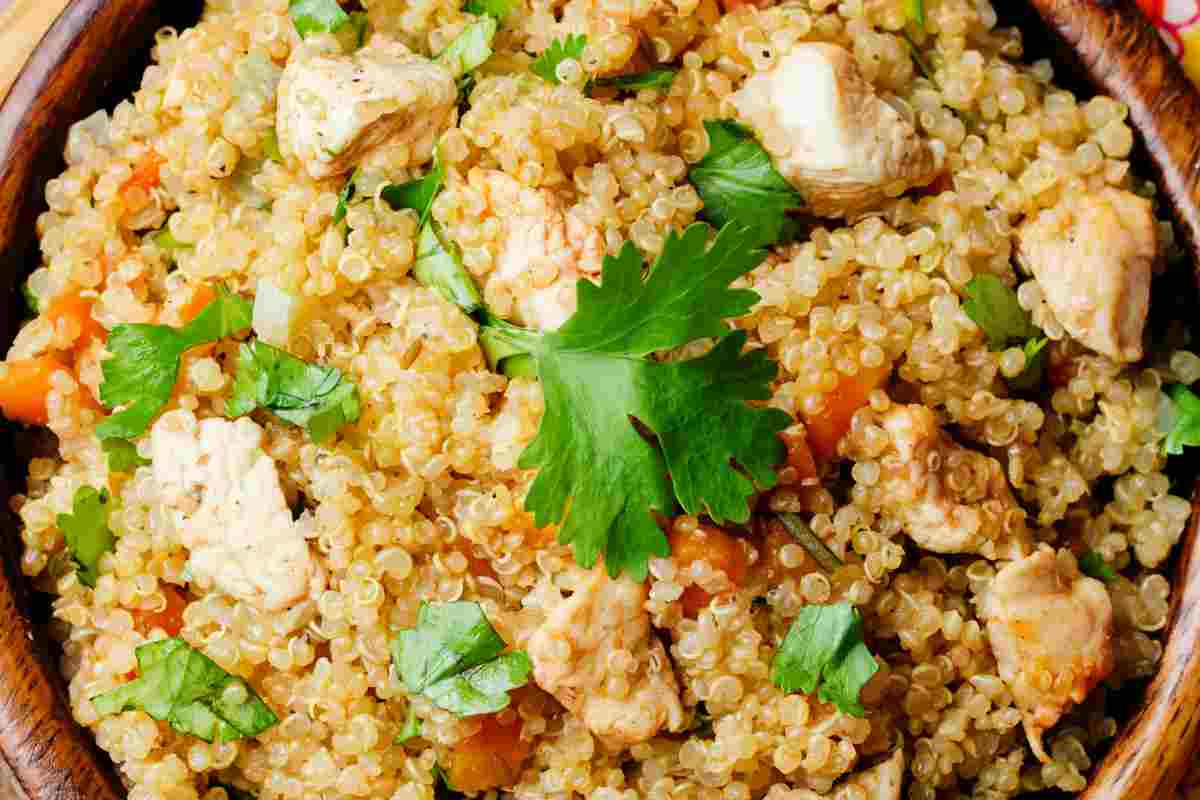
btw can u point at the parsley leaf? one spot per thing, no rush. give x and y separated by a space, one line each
456 659
994 308
32 303
596 376
183 687
317 16
345 196
1185 423
319 399
270 145
417 194
145 361
411 729
470 48
661 78
738 182
1035 365
1093 565
915 10
439 266
87 533
545 66
498 9
824 647
122 455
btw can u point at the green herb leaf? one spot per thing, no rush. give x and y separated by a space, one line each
270 144
1093 565
442 790
232 792
166 241
738 183
411 729
439 266
345 196
545 66
32 304
317 16
145 360
824 647
417 194
122 455
661 78
596 376
456 659
499 9
470 48
319 399
826 559
358 26
994 308
1185 425
183 687
915 9
87 533
1035 365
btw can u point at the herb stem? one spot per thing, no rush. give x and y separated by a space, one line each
812 543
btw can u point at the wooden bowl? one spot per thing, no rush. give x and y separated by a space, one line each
94 55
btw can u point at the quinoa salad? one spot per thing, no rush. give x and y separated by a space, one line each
607 399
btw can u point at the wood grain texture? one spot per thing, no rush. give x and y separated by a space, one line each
22 23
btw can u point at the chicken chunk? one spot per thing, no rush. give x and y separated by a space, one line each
882 781
221 494
1093 255
334 109
948 499
1051 630
839 143
596 654
542 250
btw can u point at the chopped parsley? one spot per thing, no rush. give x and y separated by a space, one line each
417 194
270 146
145 362
87 533
181 686
345 196
915 10
1093 565
470 48
317 16
455 658
498 9
738 182
994 308
824 648
597 377
545 66
439 266
319 399
122 455
33 306
1184 424
411 729
164 240
661 78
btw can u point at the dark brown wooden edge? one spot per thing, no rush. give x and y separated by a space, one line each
52 757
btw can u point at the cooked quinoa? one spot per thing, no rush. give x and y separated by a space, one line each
420 499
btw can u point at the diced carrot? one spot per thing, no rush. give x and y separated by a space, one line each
775 538
476 565
718 548
146 171
827 428
202 295
800 456
78 308
24 384
169 619
491 758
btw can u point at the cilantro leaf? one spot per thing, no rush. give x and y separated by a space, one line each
661 78
1185 422
1093 565
499 9
319 399
232 792
183 687
994 308
824 647
439 266
417 194
596 377
317 16
470 48
545 66
411 729
738 182
122 455
145 361
87 533
456 659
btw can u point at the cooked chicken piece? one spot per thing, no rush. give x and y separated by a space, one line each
596 654
882 781
842 146
1093 255
948 498
1051 629
543 249
333 109
222 495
